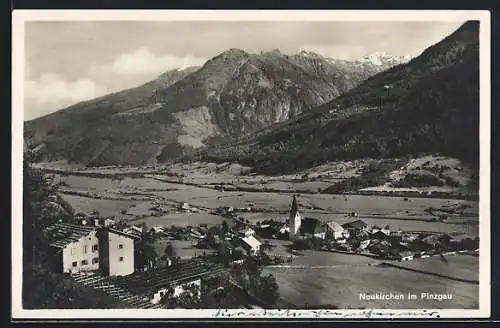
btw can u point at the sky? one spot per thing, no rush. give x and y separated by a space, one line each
68 62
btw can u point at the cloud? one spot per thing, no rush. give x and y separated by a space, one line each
143 61
337 51
51 92
53 88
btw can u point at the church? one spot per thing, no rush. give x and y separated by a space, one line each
295 219
304 227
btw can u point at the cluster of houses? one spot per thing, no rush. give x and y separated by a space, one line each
96 244
99 248
357 237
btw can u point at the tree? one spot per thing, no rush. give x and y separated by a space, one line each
224 227
168 297
43 286
189 298
170 251
145 254
269 290
266 245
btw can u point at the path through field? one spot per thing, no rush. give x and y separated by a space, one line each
307 267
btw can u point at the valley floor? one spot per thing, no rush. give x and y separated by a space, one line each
187 195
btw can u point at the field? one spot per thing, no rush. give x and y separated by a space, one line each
312 277
411 214
457 266
181 220
342 285
183 249
103 206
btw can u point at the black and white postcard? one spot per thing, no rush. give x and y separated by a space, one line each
251 164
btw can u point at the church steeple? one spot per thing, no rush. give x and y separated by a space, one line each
294 208
295 219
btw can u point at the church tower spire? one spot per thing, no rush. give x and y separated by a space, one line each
295 219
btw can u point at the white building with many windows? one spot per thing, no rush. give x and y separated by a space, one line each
92 248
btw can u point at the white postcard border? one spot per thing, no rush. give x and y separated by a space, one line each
21 16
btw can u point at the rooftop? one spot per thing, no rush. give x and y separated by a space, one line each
358 224
334 226
294 208
186 271
251 241
311 226
61 234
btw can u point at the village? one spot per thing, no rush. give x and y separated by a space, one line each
165 267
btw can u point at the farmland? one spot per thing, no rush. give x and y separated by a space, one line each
153 196
342 285
407 214
459 266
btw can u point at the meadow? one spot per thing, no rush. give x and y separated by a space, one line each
456 266
312 277
410 214
342 286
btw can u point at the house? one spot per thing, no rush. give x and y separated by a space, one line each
381 248
228 209
437 241
132 231
406 256
385 231
364 244
238 254
246 232
294 219
311 227
284 229
197 234
336 231
116 250
408 238
184 206
157 229
266 230
355 226
177 278
136 229
76 247
109 222
92 248
379 235
251 244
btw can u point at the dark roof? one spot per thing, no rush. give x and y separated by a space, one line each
185 271
118 232
294 208
358 224
61 234
379 235
311 226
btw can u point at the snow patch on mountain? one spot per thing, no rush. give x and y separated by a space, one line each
383 58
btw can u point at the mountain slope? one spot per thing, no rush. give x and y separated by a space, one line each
429 105
231 95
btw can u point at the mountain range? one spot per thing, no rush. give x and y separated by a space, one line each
279 113
231 96
428 105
